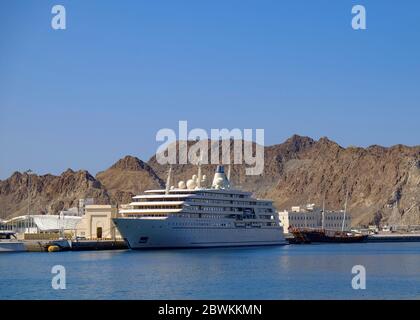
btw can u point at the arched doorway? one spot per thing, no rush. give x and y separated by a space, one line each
98 232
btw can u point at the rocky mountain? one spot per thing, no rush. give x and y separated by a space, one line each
48 193
128 177
383 184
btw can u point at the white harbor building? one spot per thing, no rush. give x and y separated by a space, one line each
88 220
312 217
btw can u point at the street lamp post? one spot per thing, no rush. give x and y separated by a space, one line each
28 224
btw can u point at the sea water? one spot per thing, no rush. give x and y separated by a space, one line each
285 272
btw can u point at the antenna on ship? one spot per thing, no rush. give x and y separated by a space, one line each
168 181
199 175
345 211
229 172
323 213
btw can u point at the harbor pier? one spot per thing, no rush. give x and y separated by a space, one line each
69 245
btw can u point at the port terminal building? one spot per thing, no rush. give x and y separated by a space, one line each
311 217
88 221
97 223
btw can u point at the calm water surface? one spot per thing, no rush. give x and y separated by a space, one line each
289 272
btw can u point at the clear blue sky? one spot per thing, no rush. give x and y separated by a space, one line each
86 96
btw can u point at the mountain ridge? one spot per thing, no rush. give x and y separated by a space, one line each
383 182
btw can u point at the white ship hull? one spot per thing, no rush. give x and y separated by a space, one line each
143 233
11 246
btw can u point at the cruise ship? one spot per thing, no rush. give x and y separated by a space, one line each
194 215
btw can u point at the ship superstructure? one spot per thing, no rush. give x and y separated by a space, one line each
193 215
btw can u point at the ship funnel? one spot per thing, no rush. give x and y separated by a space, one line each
220 181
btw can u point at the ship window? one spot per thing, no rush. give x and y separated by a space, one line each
143 239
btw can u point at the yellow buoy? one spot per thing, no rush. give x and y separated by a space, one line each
53 248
